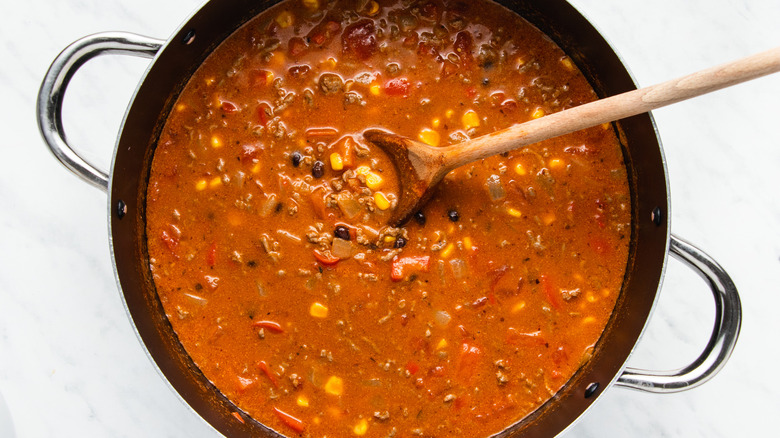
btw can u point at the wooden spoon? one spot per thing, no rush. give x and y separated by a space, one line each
421 167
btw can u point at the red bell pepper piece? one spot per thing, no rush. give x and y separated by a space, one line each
401 267
272 326
292 422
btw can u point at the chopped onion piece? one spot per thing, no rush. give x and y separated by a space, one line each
348 205
442 318
269 205
341 248
495 188
458 268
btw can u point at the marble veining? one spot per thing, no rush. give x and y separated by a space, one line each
71 365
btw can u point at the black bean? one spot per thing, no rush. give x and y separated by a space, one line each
342 232
453 215
485 82
318 169
296 158
420 217
400 242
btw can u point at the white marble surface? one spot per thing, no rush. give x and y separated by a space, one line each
70 364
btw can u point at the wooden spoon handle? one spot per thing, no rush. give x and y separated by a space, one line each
614 108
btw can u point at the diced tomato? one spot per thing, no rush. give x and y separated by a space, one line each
292 422
260 78
250 151
549 292
211 254
272 326
468 361
265 369
244 383
360 39
296 47
319 204
471 91
397 87
326 258
229 107
403 266
427 49
412 367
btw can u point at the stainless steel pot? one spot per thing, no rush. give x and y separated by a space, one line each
176 59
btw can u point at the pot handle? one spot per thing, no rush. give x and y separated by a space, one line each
728 319
49 109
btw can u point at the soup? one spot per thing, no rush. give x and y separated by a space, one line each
266 218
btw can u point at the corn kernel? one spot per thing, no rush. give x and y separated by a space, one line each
436 122
373 8
389 239
201 185
361 427
519 62
216 142
303 401
447 251
467 243
538 113
590 297
375 89
441 344
520 169
555 163
317 310
312 4
215 182
514 212
429 137
334 386
330 63
518 307
284 19
470 119
588 320
548 218
181 107
449 113
605 126
336 162
374 181
381 201
566 61
210 81
256 168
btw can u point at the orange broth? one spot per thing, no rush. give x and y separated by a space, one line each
266 215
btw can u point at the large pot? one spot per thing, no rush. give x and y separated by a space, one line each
176 59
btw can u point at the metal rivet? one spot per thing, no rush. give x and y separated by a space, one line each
189 37
121 209
591 389
657 216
